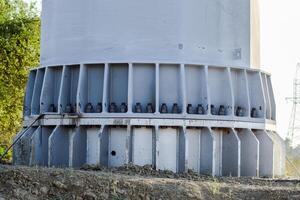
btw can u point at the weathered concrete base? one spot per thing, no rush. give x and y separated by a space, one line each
118 146
249 153
78 143
142 145
231 153
93 137
167 149
60 147
266 154
205 150
194 149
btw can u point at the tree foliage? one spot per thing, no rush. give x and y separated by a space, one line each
19 51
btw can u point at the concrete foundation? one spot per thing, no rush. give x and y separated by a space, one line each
118 147
93 136
167 149
231 153
194 149
211 151
266 154
143 140
249 153
60 147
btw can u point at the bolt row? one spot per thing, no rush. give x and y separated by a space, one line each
138 108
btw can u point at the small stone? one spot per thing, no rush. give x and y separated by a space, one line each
35 191
44 190
90 196
78 198
59 185
19 193
35 184
77 183
104 196
11 183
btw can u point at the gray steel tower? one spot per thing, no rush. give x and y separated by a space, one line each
168 83
294 126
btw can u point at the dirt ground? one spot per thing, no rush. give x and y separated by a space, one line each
131 182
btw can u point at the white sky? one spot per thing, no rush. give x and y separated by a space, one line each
280 43
280 40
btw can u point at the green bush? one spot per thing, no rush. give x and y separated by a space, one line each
19 51
6 157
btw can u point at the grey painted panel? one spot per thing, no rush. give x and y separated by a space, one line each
59 146
194 149
142 146
267 96
206 151
272 98
117 147
196 90
104 147
51 88
154 120
36 97
91 86
29 93
240 91
182 150
36 147
266 154
167 149
230 154
118 83
31 149
79 145
45 133
217 152
69 88
93 145
220 88
74 31
257 100
144 85
249 153
169 86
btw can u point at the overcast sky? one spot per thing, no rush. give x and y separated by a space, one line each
280 43
280 53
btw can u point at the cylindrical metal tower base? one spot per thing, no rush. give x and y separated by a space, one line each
213 120
151 83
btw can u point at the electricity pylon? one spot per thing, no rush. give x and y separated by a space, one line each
294 126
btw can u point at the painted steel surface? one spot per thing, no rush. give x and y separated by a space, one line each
217 32
151 83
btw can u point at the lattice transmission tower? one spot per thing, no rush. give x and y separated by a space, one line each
294 126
